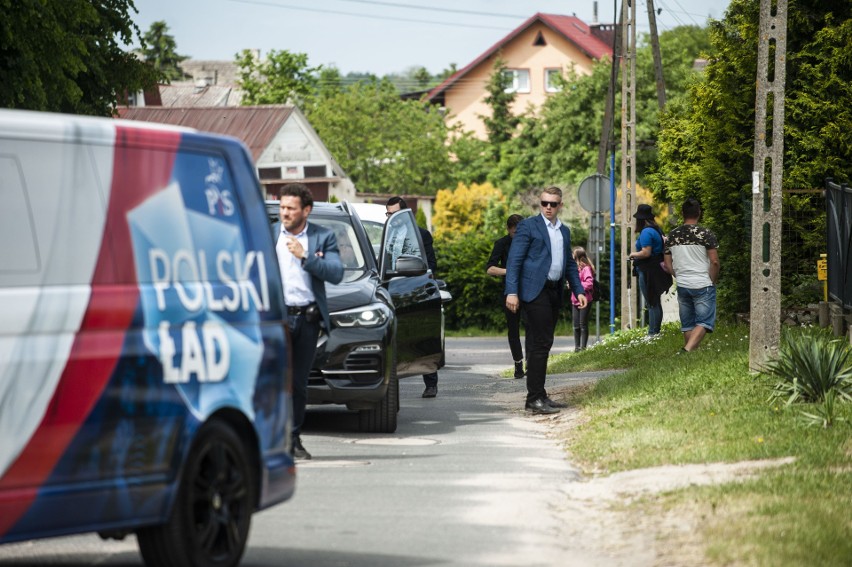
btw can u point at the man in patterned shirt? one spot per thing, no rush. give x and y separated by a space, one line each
692 257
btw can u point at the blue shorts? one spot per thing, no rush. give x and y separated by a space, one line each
697 307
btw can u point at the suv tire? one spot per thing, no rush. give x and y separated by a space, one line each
382 417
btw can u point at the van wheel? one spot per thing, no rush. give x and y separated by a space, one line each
209 523
382 417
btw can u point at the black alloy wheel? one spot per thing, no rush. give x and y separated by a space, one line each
210 522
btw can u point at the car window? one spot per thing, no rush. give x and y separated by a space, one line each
402 239
347 242
374 233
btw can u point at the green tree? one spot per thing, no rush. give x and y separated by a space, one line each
500 126
385 144
160 50
330 82
472 157
282 78
448 72
707 139
67 55
422 76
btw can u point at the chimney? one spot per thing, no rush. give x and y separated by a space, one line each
595 12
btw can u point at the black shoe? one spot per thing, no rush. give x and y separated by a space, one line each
540 407
557 405
519 369
299 451
430 392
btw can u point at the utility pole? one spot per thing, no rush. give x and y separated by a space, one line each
765 325
658 59
607 143
628 155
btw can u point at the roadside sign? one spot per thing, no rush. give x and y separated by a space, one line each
822 270
593 193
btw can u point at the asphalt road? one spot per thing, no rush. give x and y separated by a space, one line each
467 479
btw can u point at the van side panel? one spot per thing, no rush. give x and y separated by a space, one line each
165 309
98 344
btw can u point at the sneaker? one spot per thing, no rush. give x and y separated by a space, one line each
299 451
430 392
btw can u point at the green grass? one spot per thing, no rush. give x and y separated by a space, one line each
705 406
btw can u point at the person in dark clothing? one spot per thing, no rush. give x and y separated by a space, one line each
539 264
393 205
309 257
647 259
497 267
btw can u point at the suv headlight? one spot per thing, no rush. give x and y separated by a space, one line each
368 316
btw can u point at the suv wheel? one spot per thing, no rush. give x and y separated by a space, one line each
382 417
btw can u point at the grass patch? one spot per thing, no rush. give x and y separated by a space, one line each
705 406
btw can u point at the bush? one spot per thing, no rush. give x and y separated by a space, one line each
477 297
812 367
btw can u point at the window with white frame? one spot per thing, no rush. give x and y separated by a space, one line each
551 80
520 80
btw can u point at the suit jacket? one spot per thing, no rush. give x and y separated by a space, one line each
325 268
429 248
530 258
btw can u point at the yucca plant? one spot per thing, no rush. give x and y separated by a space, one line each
812 367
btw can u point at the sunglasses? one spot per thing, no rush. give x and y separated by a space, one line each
553 204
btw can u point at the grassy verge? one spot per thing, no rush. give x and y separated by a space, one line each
705 406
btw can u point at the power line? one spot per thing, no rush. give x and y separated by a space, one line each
434 9
369 16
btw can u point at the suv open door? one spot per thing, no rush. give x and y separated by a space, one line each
415 293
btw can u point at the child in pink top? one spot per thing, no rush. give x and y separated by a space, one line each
581 316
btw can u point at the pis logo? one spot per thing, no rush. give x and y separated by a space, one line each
219 201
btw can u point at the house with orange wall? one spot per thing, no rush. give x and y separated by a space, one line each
544 46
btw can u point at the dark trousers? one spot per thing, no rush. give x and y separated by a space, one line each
581 325
304 340
541 315
513 327
430 379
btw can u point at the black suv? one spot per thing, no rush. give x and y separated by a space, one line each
386 317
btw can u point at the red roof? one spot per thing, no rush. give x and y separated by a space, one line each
256 126
571 28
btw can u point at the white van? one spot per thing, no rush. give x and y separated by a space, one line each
144 382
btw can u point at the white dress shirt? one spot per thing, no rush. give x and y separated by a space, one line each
555 233
296 281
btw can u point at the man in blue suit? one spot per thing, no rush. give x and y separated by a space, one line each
308 257
539 263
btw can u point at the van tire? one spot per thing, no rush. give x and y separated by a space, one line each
209 523
382 417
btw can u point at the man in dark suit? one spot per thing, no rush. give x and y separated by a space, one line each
539 262
393 205
497 267
308 257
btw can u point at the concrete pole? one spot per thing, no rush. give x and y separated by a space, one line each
628 159
765 331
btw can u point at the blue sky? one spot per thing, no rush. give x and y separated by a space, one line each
380 36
